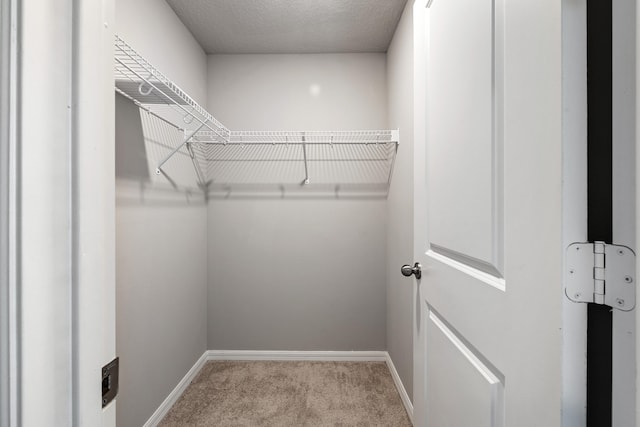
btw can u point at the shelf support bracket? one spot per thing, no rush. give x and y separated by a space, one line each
196 165
304 153
175 150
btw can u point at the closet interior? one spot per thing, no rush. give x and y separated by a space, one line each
234 235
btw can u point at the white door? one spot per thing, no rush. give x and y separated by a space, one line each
488 218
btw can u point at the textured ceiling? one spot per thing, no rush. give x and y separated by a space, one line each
290 26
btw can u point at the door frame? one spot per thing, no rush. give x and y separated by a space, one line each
637 194
41 258
8 325
574 221
420 40
56 182
576 207
93 208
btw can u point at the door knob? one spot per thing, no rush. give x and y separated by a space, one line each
407 270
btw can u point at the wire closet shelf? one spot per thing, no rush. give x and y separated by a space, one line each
222 157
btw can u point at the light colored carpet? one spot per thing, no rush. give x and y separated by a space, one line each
268 393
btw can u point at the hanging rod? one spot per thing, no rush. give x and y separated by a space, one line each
304 137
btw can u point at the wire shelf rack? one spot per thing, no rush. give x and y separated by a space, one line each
222 157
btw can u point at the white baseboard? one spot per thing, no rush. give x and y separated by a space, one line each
401 390
175 394
337 356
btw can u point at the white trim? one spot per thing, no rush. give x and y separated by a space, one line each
7 182
637 200
337 356
487 278
489 376
408 406
328 356
173 397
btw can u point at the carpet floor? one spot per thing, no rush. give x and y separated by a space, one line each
269 393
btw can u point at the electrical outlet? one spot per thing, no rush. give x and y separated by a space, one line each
110 381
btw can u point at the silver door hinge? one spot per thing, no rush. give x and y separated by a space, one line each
602 274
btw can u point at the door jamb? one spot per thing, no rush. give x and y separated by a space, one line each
9 337
420 43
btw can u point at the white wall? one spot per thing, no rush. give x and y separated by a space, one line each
161 232
400 202
274 92
293 274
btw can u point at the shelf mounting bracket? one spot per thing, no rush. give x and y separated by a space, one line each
175 150
304 153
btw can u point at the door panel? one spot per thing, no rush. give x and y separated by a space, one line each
463 215
462 390
463 152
